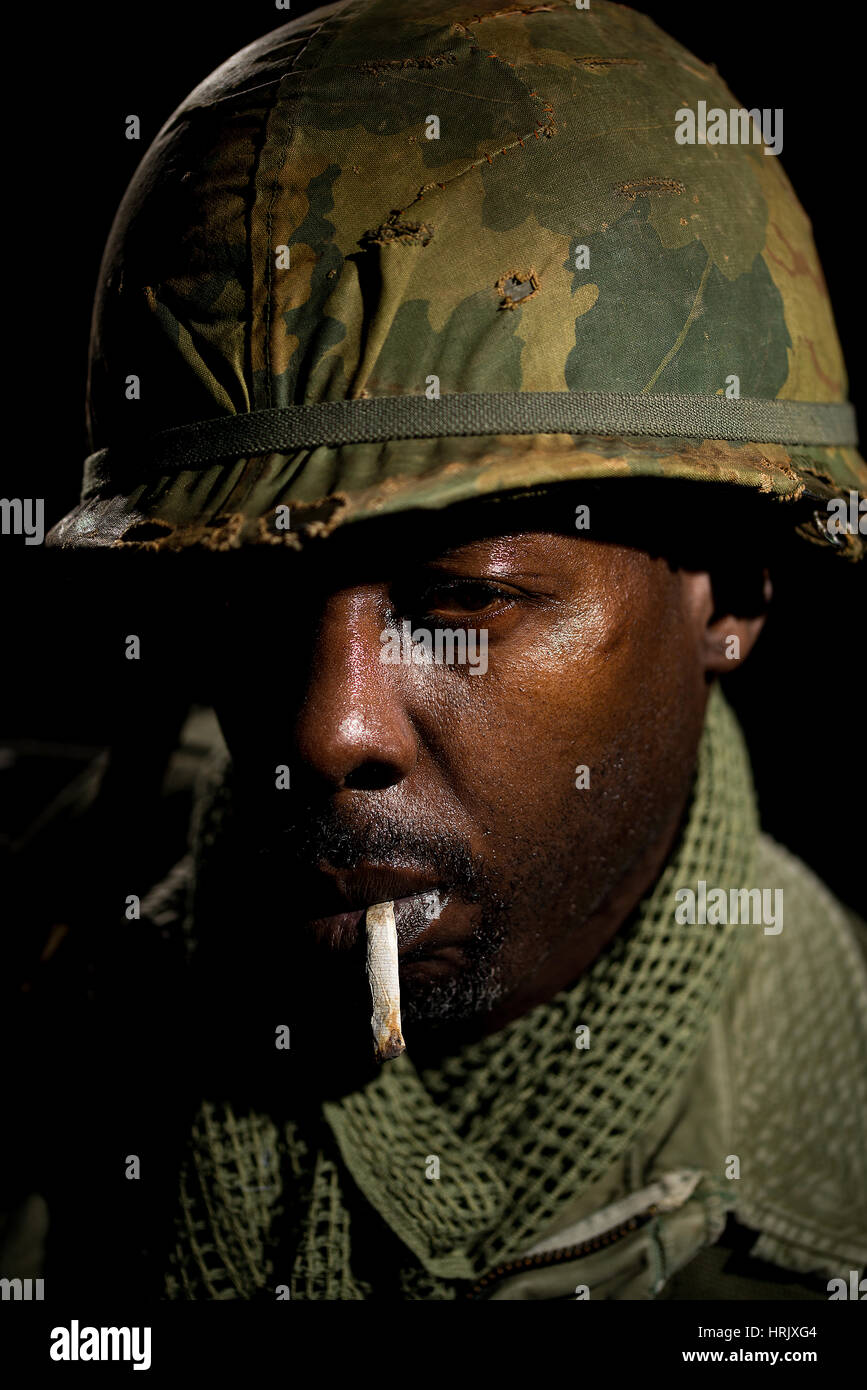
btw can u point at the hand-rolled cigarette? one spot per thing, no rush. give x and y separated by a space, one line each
384 981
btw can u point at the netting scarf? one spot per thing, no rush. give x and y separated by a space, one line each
520 1123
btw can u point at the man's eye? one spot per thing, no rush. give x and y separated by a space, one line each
462 598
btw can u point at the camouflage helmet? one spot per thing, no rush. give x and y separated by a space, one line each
394 257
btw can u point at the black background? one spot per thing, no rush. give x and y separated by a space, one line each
78 72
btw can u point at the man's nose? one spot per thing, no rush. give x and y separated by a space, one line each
353 729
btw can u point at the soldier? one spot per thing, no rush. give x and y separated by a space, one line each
509 394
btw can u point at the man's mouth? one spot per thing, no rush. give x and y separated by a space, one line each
415 913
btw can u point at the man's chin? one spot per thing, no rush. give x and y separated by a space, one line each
440 991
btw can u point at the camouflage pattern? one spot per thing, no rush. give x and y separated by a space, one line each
454 257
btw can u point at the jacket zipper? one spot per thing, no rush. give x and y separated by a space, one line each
563 1256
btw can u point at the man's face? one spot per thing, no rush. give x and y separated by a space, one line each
412 780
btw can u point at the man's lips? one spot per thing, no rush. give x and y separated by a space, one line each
368 883
418 904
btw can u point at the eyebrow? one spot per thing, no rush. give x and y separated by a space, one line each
462 549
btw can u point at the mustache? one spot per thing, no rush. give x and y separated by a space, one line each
327 835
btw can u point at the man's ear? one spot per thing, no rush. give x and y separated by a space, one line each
728 610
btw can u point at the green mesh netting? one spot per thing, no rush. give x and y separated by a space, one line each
521 1122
